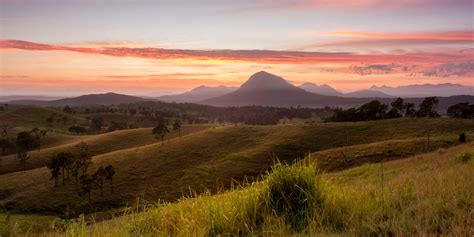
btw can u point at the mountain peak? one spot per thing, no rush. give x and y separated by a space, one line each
266 82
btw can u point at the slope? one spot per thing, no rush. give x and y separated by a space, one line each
211 158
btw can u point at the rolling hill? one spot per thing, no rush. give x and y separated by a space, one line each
400 198
212 157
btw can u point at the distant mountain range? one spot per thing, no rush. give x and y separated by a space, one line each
27 97
321 90
198 94
265 89
425 90
92 99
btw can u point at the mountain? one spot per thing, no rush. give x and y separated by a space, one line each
321 90
425 90
92 99
7 98
198 94
367 94
266 89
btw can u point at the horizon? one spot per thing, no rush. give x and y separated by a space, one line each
168 47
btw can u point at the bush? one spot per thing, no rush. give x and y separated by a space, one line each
294 194
465 157
77 129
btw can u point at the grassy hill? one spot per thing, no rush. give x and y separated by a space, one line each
98 144
30 117
403 198
212 157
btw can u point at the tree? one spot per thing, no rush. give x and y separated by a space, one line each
67 109
4 145
160 131
22 156
97 123
77 129
98 177
84 157
24 142
109 174
427 107
461 110
462 138
177 126
86 186
37 137
54 165
65 159
409 109
397 109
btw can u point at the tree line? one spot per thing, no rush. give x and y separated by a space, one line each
375 110
22 143
76 164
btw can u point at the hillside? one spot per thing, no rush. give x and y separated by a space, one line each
98 144
211 158
401 198
30 117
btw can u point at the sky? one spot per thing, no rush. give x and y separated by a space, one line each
155 47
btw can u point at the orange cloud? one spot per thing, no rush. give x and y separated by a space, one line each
257 56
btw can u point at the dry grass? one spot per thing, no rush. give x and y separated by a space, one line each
430 194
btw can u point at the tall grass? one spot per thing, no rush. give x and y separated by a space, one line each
425 195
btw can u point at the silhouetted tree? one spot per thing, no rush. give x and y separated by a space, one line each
24 142
109 175
5 144
462 138
397 109
160 131
22 157
84 157
427 107
177 126
67 109
461 110
97 123
98 177
77 129
409 109
54 165
86 186
65 159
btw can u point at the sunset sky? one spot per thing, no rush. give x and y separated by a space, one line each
146 47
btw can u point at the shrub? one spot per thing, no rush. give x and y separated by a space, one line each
77 129
465 157
293 192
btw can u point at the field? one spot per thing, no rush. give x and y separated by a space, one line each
211 161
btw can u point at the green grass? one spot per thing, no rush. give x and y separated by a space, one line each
211 158
429 194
